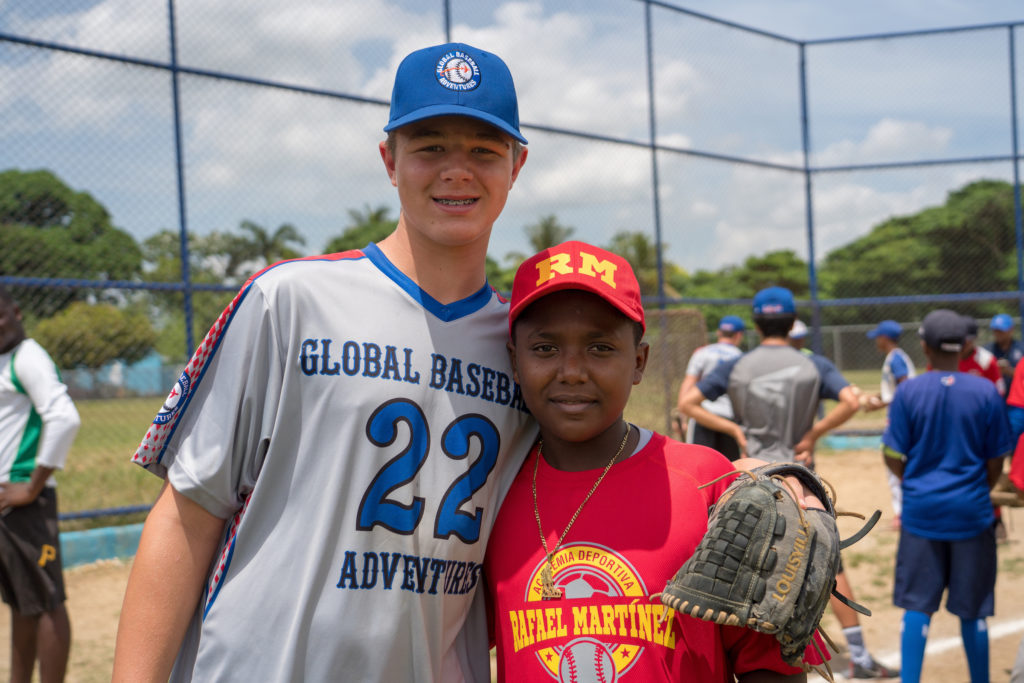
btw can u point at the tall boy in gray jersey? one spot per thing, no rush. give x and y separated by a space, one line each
775 391
336 450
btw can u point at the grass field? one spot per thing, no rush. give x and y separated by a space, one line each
99 473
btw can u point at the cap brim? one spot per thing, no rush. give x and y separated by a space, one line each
454 110
522 305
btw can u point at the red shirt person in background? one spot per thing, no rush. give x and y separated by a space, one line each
977 360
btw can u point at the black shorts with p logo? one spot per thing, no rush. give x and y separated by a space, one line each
31 576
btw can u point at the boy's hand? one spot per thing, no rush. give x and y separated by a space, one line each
805 496
765 562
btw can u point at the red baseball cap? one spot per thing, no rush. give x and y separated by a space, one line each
577 265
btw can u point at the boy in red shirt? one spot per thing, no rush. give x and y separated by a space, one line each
603 512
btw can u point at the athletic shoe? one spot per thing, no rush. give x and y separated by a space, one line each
876 670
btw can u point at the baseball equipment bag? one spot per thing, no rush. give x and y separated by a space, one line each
766 563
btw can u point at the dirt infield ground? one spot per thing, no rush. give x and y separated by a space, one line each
95 590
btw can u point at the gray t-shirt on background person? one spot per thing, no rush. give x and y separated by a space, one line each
775 392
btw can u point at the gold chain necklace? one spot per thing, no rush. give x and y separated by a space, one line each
547 583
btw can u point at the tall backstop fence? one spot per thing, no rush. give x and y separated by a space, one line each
154 154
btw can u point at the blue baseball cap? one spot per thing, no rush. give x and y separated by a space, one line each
458 79
1001 323
774 300
799 330
887 328
731 324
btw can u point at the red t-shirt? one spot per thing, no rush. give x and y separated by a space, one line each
1017 462
984 364
1016 395
642 523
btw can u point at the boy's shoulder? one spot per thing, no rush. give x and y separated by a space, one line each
927 383
704 465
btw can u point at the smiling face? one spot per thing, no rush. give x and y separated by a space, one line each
453 175
576 359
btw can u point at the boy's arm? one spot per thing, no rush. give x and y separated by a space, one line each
893 460
689 382
16 494
994 470
840 413
690 405
175 551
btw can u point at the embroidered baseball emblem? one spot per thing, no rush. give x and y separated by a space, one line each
173 402
456 70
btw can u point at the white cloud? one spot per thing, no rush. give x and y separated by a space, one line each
263 149
889 140
703 209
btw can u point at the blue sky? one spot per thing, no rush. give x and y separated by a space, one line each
273 156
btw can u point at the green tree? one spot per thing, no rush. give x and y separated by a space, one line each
49 230
545 233
783 268
370 225
966 245
642 254
209 260
261 246
91 335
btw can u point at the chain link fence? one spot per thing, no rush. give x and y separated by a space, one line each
154 154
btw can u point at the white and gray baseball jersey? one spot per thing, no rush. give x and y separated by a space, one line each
889 381
38 420
702 362
358 435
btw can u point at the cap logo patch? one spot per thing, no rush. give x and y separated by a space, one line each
560 264
457 71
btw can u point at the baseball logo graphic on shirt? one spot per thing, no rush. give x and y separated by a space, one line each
457 71
586 660
605 614
174 399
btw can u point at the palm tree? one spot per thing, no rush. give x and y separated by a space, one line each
273 247
545 233
642 254
369 225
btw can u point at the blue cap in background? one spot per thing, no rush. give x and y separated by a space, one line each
458 79
774 300
1001 323
731 324
887 328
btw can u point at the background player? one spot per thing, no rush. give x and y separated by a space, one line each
946 438
573 526
775 392
704 360
38 423
1007 350
338 441
797 336
896 368
977 360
